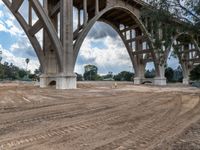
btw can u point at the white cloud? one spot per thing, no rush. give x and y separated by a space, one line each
14 47
2 27
113 56
1 2
1 14
18 61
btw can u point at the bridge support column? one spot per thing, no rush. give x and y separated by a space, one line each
61 81
43 81
60 74
66 82
139 75
160 78
67 79
186 81
186 72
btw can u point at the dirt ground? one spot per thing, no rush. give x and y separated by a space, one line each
98 116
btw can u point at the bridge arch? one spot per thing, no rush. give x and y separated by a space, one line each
31 30
176 37
188 52
138 66
60 52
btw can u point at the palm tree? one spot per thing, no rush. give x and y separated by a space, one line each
27 62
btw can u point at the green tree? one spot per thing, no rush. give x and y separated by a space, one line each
22 73
11 72
169 74
90 73
79 77
187 11
169 14
195 73
124 76
108 76
150 73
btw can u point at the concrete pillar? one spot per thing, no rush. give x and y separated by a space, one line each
43 81
186 81
138 79
66 79
139 76
79 18
186 73
51 68
63 76
160 77
30 14
85 11
96 7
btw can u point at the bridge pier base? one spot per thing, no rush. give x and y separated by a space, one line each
160 81
137 80
62 82
186 81
160 76
44 81
66 82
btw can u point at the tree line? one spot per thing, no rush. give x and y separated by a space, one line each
8 71
12 72
91 74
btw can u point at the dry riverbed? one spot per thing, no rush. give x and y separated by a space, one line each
99 116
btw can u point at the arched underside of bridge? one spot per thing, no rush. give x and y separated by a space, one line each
59 53
187 51
132 33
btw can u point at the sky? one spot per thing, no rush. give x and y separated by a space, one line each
102 46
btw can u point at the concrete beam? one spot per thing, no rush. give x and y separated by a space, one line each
55 10
35 28
16 4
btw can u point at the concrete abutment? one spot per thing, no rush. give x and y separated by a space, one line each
62 81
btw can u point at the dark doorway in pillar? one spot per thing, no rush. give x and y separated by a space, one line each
52 83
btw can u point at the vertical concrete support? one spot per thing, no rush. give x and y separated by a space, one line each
30 14
185 64
51 68
67 79
138 79
43 81
85 11
139 76
140 66
186 73
96 7
186 81
160 78
79 19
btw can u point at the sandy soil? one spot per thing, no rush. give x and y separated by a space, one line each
99 116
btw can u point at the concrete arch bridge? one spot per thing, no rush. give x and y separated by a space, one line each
61 43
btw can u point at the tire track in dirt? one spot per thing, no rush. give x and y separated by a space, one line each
9 109
23 140
139 136
95 121
180 125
